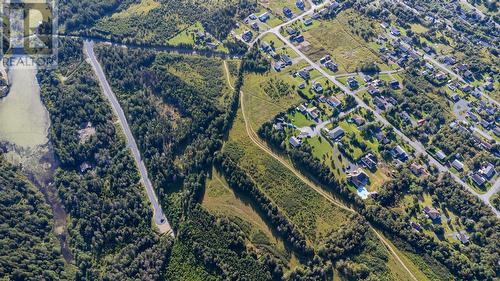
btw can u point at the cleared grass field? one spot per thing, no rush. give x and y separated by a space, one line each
276 6
348 50
220 200
312 214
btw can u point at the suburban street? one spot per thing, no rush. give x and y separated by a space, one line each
418 147
259 143
160 219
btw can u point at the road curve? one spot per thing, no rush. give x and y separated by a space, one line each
256 140
160 219
419 148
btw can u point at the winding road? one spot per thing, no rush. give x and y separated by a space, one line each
260 144
417 146
159 217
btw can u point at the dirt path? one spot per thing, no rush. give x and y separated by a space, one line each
256 140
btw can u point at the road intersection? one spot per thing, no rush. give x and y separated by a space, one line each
417 146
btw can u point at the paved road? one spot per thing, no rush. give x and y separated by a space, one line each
255 139
359 73
159 217
299 17
419 148
436 62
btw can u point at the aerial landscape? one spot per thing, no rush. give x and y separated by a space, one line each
250 140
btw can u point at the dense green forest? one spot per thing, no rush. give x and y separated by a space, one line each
28 248
110 231
150 21
179 108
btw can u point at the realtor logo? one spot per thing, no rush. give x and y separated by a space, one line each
28 33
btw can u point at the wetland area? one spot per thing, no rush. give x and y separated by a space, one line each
24 128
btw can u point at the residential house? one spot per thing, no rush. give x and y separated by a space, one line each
392 100
255 26
462 237
449 60
496 131
334 6
331 66
358 120
394 31
405 117
432 213
278 126
369 161
278 66
381 137
295 142
302 108
488 170
415 226
489 86
317 87
440 76
287 12
468 75
333 102
417 170
336 133
379 103
457 165
297 38
467 88
325 59
247 36
400 153
264 17
359 178
373 90
291 31
485 124
440 155
313 112
265 47
353 83
286 59
394 84
304 74
308 21
478 179
300 4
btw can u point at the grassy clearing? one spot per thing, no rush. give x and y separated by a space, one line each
261 107
418 28
277 6
142 8
312 214
220 200
348 50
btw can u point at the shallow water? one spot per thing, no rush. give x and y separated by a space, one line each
24 120
24 125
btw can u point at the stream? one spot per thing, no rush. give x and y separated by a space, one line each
24 127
